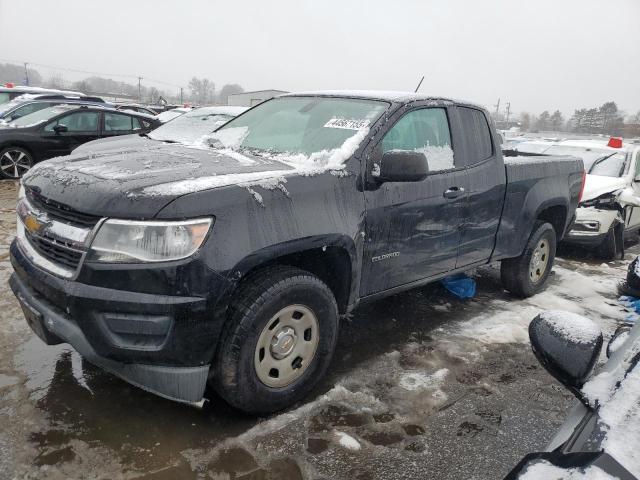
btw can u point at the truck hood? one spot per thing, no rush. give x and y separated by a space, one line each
138 182
596 185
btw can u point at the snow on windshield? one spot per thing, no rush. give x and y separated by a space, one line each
306 132
39 116
304 135
612 165
191 127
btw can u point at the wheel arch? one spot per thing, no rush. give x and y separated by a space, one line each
329 257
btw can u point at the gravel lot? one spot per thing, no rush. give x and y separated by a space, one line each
422 386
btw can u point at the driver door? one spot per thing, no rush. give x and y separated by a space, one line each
413 228
81 126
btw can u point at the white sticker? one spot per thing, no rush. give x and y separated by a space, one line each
347 124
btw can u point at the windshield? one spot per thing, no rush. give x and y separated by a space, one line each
609 164
190 127
39 116
301 125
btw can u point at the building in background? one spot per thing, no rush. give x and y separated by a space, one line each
249 99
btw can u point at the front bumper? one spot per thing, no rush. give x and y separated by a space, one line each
591 226
161 343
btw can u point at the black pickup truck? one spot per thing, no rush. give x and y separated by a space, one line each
229 262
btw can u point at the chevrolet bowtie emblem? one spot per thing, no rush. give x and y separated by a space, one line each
32 224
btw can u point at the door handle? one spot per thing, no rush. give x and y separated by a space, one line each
453 192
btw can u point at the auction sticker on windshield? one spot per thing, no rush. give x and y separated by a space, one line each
347 124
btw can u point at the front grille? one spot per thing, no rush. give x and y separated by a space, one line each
60 212
56 251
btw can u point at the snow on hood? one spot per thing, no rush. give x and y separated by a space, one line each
174 169
596 185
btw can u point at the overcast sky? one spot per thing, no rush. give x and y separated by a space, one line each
538 55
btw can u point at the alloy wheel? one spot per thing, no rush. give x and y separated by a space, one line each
14 163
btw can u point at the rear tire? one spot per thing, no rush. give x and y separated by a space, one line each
278 340
14 162
525 275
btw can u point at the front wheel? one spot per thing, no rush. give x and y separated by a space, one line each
14 162
608 249
525 275
278 340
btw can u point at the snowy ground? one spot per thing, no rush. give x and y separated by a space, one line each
422 386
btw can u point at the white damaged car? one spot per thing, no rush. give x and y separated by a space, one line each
610 205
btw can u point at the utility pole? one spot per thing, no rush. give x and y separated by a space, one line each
508 110
497 105
26 74
139 90
181 101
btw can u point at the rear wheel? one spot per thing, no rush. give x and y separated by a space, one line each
278 340
14 162
526 275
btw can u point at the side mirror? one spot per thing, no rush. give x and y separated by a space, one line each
403 166
567 345
628 197
60 129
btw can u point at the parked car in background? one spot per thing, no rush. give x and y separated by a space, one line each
234 260
169 115
10 91
57 130
610 207
190 128
134 107
27 103
600 438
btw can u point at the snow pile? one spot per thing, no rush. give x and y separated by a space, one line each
413 381
546 471
347 441
571 326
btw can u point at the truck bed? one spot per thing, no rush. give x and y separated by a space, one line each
533 182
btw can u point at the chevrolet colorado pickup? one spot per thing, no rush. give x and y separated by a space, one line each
228 262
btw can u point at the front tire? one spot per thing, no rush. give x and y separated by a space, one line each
278 340
14 162
608 249
525 275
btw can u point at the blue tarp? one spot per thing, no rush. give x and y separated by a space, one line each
460 285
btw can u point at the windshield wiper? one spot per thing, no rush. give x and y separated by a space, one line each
599 161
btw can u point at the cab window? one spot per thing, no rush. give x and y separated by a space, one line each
476 129
76 122
426 131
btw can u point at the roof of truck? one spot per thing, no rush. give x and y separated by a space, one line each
388 95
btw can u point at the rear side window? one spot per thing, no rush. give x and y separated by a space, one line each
116 122
426 131
477 133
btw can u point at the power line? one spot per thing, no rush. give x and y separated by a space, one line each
88 72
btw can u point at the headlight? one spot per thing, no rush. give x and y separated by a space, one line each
124 241
21 192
